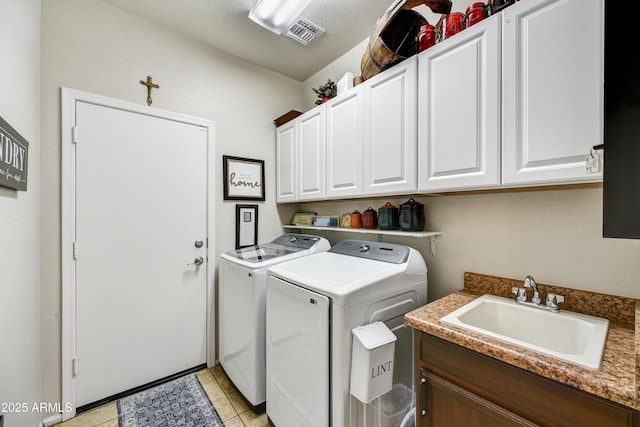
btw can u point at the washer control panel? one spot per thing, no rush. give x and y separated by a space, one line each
378 251
297 241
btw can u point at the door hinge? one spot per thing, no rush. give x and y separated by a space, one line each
74 366
74 134
75 250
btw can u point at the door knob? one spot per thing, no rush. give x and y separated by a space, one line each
198 261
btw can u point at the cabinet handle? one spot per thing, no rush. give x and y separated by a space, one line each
423 411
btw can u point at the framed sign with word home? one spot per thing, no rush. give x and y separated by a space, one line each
243 178
14 156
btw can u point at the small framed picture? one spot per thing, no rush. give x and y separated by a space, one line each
246 225
243 178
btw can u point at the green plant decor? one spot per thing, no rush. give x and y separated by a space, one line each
325 91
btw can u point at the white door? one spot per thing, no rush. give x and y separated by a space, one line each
459 111
390 131
286 170
345 141
553 85
311 145
141 206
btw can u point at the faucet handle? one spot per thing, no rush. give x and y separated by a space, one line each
553 300
521 294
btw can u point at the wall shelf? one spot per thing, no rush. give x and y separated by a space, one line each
432 235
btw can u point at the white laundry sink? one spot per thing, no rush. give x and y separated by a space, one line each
572 337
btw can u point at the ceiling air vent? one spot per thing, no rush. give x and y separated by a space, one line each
304 31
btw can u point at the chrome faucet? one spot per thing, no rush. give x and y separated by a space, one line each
530 282
552 300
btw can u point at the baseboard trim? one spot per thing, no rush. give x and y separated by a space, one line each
52 420
115 397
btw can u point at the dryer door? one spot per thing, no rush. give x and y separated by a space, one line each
297 355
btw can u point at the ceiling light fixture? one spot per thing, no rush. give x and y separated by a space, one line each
277 15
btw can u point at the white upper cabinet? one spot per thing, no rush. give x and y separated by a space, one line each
345 144
553 77
311 127
516 100
459 111
390 130
286 161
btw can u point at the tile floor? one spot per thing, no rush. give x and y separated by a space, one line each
233 411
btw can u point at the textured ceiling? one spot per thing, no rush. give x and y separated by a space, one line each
224 24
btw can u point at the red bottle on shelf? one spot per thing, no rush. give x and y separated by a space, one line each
451 24
475 13
426 37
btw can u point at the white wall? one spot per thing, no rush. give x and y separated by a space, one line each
94 47
19 214
347 63
91 46
350 61
554 235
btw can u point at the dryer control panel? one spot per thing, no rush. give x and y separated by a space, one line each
378 251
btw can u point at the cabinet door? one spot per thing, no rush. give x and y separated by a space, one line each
443 404
621 198
477 382
459 111
345 144
553 82
311 154
286 163
390 131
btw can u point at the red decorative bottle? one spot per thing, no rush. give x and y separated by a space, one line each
475 13
426 37
452 24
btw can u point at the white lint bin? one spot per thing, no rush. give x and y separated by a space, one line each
372 361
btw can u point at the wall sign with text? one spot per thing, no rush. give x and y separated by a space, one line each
14 156
243 178
246 226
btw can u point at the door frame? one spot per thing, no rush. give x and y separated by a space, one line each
68 232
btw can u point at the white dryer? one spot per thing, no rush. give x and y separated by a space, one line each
313 304
241 308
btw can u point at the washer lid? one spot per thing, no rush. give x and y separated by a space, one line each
333 270
283 246
344 278
261 253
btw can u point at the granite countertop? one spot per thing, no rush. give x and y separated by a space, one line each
615 381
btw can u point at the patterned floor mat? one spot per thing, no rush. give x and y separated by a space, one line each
181 402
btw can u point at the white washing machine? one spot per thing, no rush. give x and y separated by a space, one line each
313 303
241 311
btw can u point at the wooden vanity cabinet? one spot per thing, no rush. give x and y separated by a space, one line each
458 387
